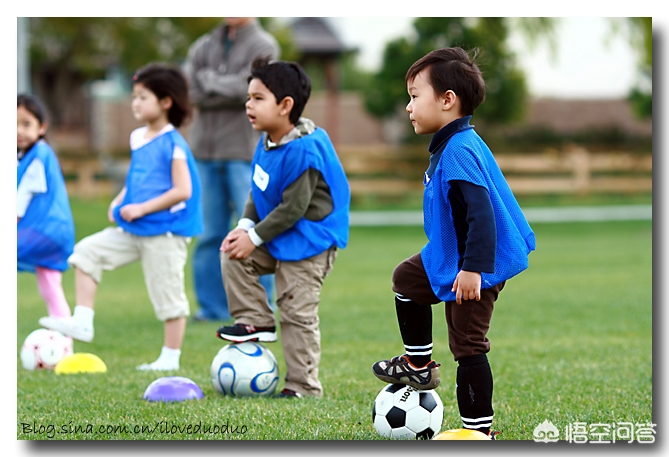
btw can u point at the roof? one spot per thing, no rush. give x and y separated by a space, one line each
313 36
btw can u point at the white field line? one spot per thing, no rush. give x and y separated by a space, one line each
557 214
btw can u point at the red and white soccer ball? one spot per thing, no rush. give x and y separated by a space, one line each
43 349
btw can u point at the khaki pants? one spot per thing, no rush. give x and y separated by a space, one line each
298 287
163 260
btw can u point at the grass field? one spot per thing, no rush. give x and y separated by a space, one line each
571 342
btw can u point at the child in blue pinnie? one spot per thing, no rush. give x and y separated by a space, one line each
45 228
293 223
477 238
157 212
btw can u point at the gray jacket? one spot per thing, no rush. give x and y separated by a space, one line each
218 82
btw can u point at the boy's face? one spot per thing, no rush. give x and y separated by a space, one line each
262 109
425 110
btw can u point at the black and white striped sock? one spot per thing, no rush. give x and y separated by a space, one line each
415 323
474 387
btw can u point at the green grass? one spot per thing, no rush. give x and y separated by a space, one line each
571 341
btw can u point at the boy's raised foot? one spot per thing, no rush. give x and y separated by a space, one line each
399 370
240 333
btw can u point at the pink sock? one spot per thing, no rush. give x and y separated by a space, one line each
51 289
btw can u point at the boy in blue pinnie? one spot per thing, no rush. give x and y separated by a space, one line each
157 213
478 238
294 221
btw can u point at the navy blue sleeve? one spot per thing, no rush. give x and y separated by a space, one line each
475 225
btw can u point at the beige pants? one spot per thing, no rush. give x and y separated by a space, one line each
163 260
298 287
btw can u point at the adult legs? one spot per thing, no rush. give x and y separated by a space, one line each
216 210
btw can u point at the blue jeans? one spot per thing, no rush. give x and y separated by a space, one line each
225 189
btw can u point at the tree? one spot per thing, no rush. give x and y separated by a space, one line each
67 53
506 88
639 32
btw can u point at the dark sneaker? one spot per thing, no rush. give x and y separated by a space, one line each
288 393
240 333
399 370
493 434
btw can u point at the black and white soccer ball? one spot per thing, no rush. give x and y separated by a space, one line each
244 370
401 412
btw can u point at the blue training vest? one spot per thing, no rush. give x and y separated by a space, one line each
276 169
45 234
466 157
149 176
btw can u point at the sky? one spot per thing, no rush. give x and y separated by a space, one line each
589 63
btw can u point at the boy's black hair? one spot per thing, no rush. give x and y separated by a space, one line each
167 81
284 79
34 105
453 69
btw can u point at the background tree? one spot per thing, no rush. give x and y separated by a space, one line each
506 88
639 31
68 53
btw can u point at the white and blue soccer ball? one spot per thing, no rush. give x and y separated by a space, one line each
244 370
401 412
43 349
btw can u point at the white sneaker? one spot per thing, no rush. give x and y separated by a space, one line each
69 327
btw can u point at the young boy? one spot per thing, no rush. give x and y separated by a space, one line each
477 238
294 221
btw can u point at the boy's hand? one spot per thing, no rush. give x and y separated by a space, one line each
237 244
132 211
467 286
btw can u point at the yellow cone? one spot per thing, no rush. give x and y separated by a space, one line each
461 434
80 362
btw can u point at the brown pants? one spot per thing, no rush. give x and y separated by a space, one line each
298 287
468 323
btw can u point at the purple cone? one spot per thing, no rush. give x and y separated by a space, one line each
172 388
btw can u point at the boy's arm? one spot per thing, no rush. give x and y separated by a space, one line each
481 242
295 202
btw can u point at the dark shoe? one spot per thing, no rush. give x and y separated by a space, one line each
399 370
287 393
493 434
240 333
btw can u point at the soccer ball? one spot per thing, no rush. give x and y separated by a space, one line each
244 370
44 348
401 412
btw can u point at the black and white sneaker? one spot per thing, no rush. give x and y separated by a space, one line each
399 370
289 393
240 333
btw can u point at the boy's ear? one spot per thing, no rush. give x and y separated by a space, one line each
448 100
286 106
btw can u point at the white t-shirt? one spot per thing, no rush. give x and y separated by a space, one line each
33 182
